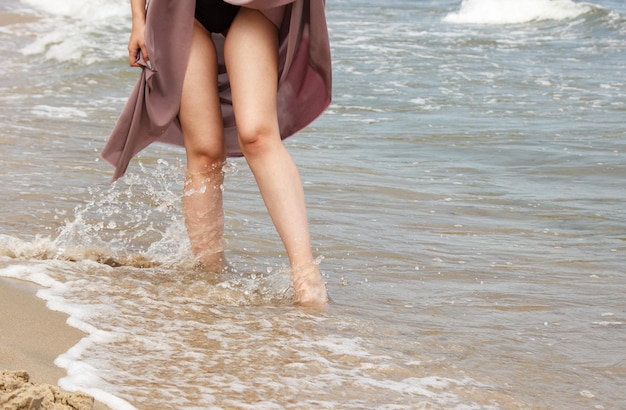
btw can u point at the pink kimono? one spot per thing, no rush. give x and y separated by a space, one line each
151 113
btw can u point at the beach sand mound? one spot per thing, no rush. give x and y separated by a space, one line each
18 393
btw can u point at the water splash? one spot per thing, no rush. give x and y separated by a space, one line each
136 226
136 221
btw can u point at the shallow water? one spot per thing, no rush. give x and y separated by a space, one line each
465 192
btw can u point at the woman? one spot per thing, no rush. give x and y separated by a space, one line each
234 80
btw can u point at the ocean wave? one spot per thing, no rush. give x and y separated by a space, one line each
516 11
77 31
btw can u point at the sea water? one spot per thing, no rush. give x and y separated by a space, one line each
466 196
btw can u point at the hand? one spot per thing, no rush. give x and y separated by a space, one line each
137 42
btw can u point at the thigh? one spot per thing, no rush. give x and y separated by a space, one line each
200 112
251 55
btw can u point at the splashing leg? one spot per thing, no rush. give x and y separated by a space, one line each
204 217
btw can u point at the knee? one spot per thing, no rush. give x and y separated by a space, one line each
205 160
256 141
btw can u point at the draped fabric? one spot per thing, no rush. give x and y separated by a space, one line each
151 113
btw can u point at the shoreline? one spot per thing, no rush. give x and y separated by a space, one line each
33 336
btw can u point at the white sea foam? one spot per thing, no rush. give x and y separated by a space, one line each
79 9
81 376
516 11
58 112
35 273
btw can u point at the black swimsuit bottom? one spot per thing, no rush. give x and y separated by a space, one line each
215 15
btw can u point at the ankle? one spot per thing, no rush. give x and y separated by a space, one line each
309 286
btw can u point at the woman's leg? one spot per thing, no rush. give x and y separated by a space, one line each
201 121
251 53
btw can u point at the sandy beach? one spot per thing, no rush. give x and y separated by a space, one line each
31 337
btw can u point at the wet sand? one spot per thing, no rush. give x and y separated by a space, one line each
31 338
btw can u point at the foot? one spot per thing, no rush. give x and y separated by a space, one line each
309 287
211 262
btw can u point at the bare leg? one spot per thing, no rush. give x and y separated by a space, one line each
251 54
201 121
204 217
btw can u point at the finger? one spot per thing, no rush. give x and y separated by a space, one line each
144 53
132 57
